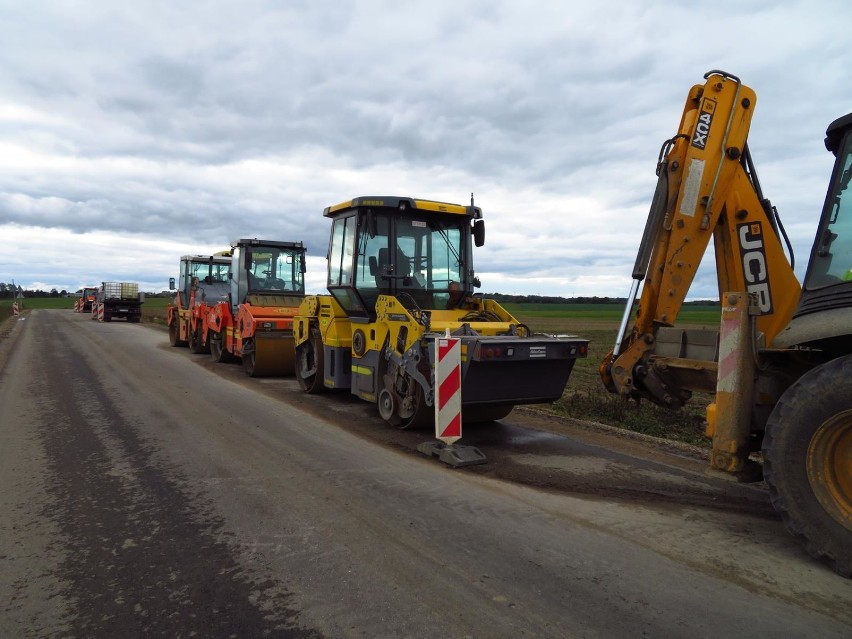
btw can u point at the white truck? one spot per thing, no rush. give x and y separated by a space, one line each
119 299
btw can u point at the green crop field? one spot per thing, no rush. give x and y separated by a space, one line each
40 302
35 302
154 309
585 397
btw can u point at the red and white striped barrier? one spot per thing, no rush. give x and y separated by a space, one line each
448 420
729 376
15 310
734 387
448 408
100 311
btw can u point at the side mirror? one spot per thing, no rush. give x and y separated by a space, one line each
479 233
374 265
303 265
247 259
171 283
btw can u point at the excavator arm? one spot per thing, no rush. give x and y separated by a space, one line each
707 188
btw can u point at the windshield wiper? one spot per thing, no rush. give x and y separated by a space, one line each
440 228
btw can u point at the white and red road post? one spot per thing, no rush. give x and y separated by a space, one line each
448 407
448 419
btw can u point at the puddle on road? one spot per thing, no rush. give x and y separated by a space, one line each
503 434
570 463
589 465
534 437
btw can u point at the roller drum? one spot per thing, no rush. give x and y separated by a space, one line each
271 357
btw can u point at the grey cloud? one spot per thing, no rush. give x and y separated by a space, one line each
155 103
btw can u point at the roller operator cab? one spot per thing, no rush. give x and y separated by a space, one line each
828 282
202 282
255 321
400 274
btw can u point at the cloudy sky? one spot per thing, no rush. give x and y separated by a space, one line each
135 132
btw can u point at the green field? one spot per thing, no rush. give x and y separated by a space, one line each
585 397
35 302
154 309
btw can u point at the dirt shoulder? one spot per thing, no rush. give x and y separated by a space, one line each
8 331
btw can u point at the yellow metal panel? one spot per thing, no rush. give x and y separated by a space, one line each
337 207
440 207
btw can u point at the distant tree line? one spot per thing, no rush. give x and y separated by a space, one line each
551 299
11 290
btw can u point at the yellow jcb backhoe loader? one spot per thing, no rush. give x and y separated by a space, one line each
781 364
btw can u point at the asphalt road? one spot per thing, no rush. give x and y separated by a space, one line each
148 492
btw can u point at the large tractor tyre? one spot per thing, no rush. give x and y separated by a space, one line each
807 451
195 345
310 365
217 350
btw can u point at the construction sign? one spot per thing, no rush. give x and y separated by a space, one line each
448 421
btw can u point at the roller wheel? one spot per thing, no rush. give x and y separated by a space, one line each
310 366
410 412
195 345
249 362
807 450
386 403
414 413
217 351
173 334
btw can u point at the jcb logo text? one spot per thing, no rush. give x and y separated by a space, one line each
754 264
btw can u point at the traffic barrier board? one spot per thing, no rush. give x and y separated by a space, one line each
448 418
